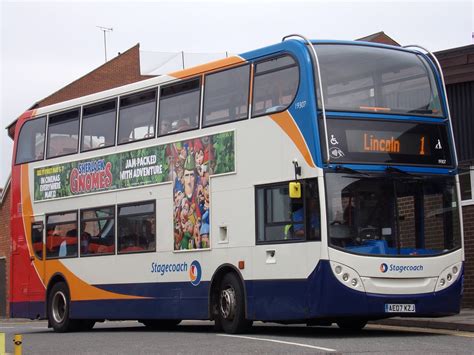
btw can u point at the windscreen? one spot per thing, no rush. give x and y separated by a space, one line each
373 79
392 214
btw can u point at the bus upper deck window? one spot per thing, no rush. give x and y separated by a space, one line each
275 84
137 117
98 125
63 133
226 96
30 146
179 107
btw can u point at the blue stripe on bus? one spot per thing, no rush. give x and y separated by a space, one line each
368 115
306 91
320 296
408 169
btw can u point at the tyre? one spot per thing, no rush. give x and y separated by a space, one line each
352 324
58 309
160 324
231 306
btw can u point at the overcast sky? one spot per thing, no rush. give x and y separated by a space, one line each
46 45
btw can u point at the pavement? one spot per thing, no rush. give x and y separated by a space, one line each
463 321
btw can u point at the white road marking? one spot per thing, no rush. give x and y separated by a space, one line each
278 341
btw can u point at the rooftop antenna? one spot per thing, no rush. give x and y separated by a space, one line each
105 30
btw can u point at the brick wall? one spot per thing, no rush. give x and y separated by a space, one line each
121 70
434 222
5 240
406 222
468 219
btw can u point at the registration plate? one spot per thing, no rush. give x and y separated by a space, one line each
399 308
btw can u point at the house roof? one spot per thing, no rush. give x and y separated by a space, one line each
121 70
379 37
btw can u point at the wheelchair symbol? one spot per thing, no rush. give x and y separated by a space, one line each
333 140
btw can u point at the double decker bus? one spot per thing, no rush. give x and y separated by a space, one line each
305 182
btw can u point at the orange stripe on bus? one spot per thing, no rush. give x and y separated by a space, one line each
79 289
207 67
287 123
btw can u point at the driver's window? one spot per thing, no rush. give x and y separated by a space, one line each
281 218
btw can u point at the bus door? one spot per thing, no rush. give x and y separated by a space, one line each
35 278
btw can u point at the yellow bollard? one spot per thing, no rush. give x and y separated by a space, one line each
2 343
17 341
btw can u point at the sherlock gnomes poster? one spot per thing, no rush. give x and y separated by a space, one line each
187 164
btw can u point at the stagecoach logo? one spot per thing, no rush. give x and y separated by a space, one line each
195 271
400 268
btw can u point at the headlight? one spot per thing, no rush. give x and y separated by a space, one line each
448 276
347 276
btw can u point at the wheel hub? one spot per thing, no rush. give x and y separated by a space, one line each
59 307
228 303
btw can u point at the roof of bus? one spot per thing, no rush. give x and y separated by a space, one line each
286 45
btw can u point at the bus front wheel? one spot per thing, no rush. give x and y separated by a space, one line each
231 306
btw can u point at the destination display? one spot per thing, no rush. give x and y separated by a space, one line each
388 142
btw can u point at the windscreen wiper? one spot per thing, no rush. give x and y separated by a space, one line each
393 170
421 111
345 169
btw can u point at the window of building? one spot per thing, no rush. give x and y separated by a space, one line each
136 227
275 85
37 238
466 180
281 218
98 125
137 117
30 146
61 235
98 231
226 96
63 133
179 107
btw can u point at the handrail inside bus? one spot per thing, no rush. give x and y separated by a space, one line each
431 54
318 79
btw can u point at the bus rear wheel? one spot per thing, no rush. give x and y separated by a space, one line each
58 309
231 306
352 324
